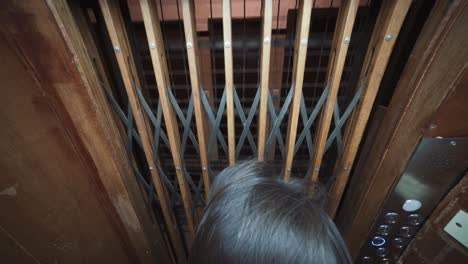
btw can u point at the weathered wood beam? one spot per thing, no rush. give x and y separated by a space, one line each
229 80
385 33
117 33
300 55
188 12
158 58
341 41
267 16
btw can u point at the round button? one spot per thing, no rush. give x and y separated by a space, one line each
414 219
378 241
411 205
366 260
406 231
391 218
398 242
385 261
382 252
384 230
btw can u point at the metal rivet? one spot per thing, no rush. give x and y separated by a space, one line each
304 42
150 168
347 40
453 143
152 45
117 49
227 44
204 168
288 169
189 45
388 37
316 169
177 168
345 168
266 41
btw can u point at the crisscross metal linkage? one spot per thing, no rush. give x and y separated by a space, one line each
277 120
186 121
310 121
308 136
279 138
132 134
342 120
339 139
246 122
158 131
215 122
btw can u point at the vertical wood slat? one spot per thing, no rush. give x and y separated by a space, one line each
188 12
391 18
267 12
341 41
228 69
300 52
122 52
158 58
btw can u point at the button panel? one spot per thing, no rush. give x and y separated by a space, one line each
414 197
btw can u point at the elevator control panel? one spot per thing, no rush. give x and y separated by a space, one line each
436 165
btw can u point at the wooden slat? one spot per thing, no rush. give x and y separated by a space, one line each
267 13
300 53
389 23
113 20
158 58
188 12
341 40
228 69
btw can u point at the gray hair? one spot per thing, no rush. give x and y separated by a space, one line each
255 216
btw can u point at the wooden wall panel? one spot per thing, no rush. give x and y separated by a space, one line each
65 175
51 201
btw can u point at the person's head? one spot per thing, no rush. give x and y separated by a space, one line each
255 216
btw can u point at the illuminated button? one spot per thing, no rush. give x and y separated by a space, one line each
411 205
414 219
398 242
382 252
385 261
406 231
391 218
384 230
378 241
